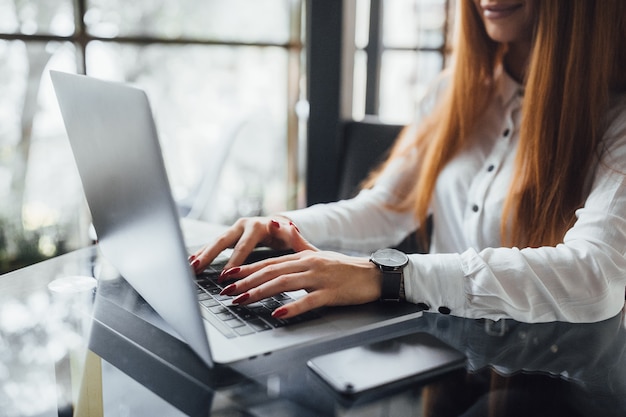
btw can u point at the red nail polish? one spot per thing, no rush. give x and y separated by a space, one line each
294 226
229 290
230 271
242 298
275 224
195 264
279 312
192 258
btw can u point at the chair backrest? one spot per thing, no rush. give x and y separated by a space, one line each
365 145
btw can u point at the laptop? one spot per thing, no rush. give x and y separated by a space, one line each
116 148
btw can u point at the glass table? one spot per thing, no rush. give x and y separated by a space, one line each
71 344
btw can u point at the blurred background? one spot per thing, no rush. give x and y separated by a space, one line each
228 84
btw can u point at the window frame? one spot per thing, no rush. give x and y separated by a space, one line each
330 68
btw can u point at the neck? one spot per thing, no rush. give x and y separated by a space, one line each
516 60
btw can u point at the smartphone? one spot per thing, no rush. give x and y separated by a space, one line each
411 358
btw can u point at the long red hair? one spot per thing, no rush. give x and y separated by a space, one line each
578 58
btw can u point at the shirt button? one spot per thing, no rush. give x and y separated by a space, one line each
490 168
475 208
506 132
444 310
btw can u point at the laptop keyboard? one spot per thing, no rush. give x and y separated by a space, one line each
235 320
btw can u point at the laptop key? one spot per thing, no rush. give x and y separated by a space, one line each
275 322
282 297
271 304
218 324
243 330
210 302
222 297
234 323
309 315
225 316
243 313
218 309
259 325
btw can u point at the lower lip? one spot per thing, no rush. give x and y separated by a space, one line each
500 14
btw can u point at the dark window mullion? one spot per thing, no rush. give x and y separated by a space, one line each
374 57
81 35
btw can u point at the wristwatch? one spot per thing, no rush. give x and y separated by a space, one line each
391 263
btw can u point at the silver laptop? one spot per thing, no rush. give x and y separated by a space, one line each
116 148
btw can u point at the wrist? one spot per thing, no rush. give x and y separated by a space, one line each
391 263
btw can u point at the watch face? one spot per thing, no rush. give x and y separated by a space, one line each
390 257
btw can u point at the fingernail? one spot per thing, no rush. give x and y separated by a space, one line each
230 271
294 226
279 312
275 223
192 258
242 298
195 264
229 290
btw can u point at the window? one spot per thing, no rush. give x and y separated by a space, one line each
400 46
390 51
223 84
227 89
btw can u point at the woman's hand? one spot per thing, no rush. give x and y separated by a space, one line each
329 278
276 232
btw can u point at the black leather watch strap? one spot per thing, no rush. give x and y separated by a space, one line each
392 280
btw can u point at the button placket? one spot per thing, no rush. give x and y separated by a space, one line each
499 151
486 177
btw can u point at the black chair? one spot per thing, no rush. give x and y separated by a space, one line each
365 145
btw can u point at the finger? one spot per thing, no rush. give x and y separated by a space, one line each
311 301
208 253
252 233
316 297
283 233
241 251
245 271
298 242
268 277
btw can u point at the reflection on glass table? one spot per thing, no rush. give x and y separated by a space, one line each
45 318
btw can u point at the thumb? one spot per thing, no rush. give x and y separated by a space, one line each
298 242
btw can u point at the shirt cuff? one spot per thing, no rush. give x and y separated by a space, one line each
437 281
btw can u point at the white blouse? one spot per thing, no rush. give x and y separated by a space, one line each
467 272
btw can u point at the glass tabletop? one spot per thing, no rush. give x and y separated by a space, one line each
74 345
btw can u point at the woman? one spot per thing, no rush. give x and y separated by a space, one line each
519 155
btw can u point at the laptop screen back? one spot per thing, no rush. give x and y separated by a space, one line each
116 148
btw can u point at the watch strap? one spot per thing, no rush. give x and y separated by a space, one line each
392 284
